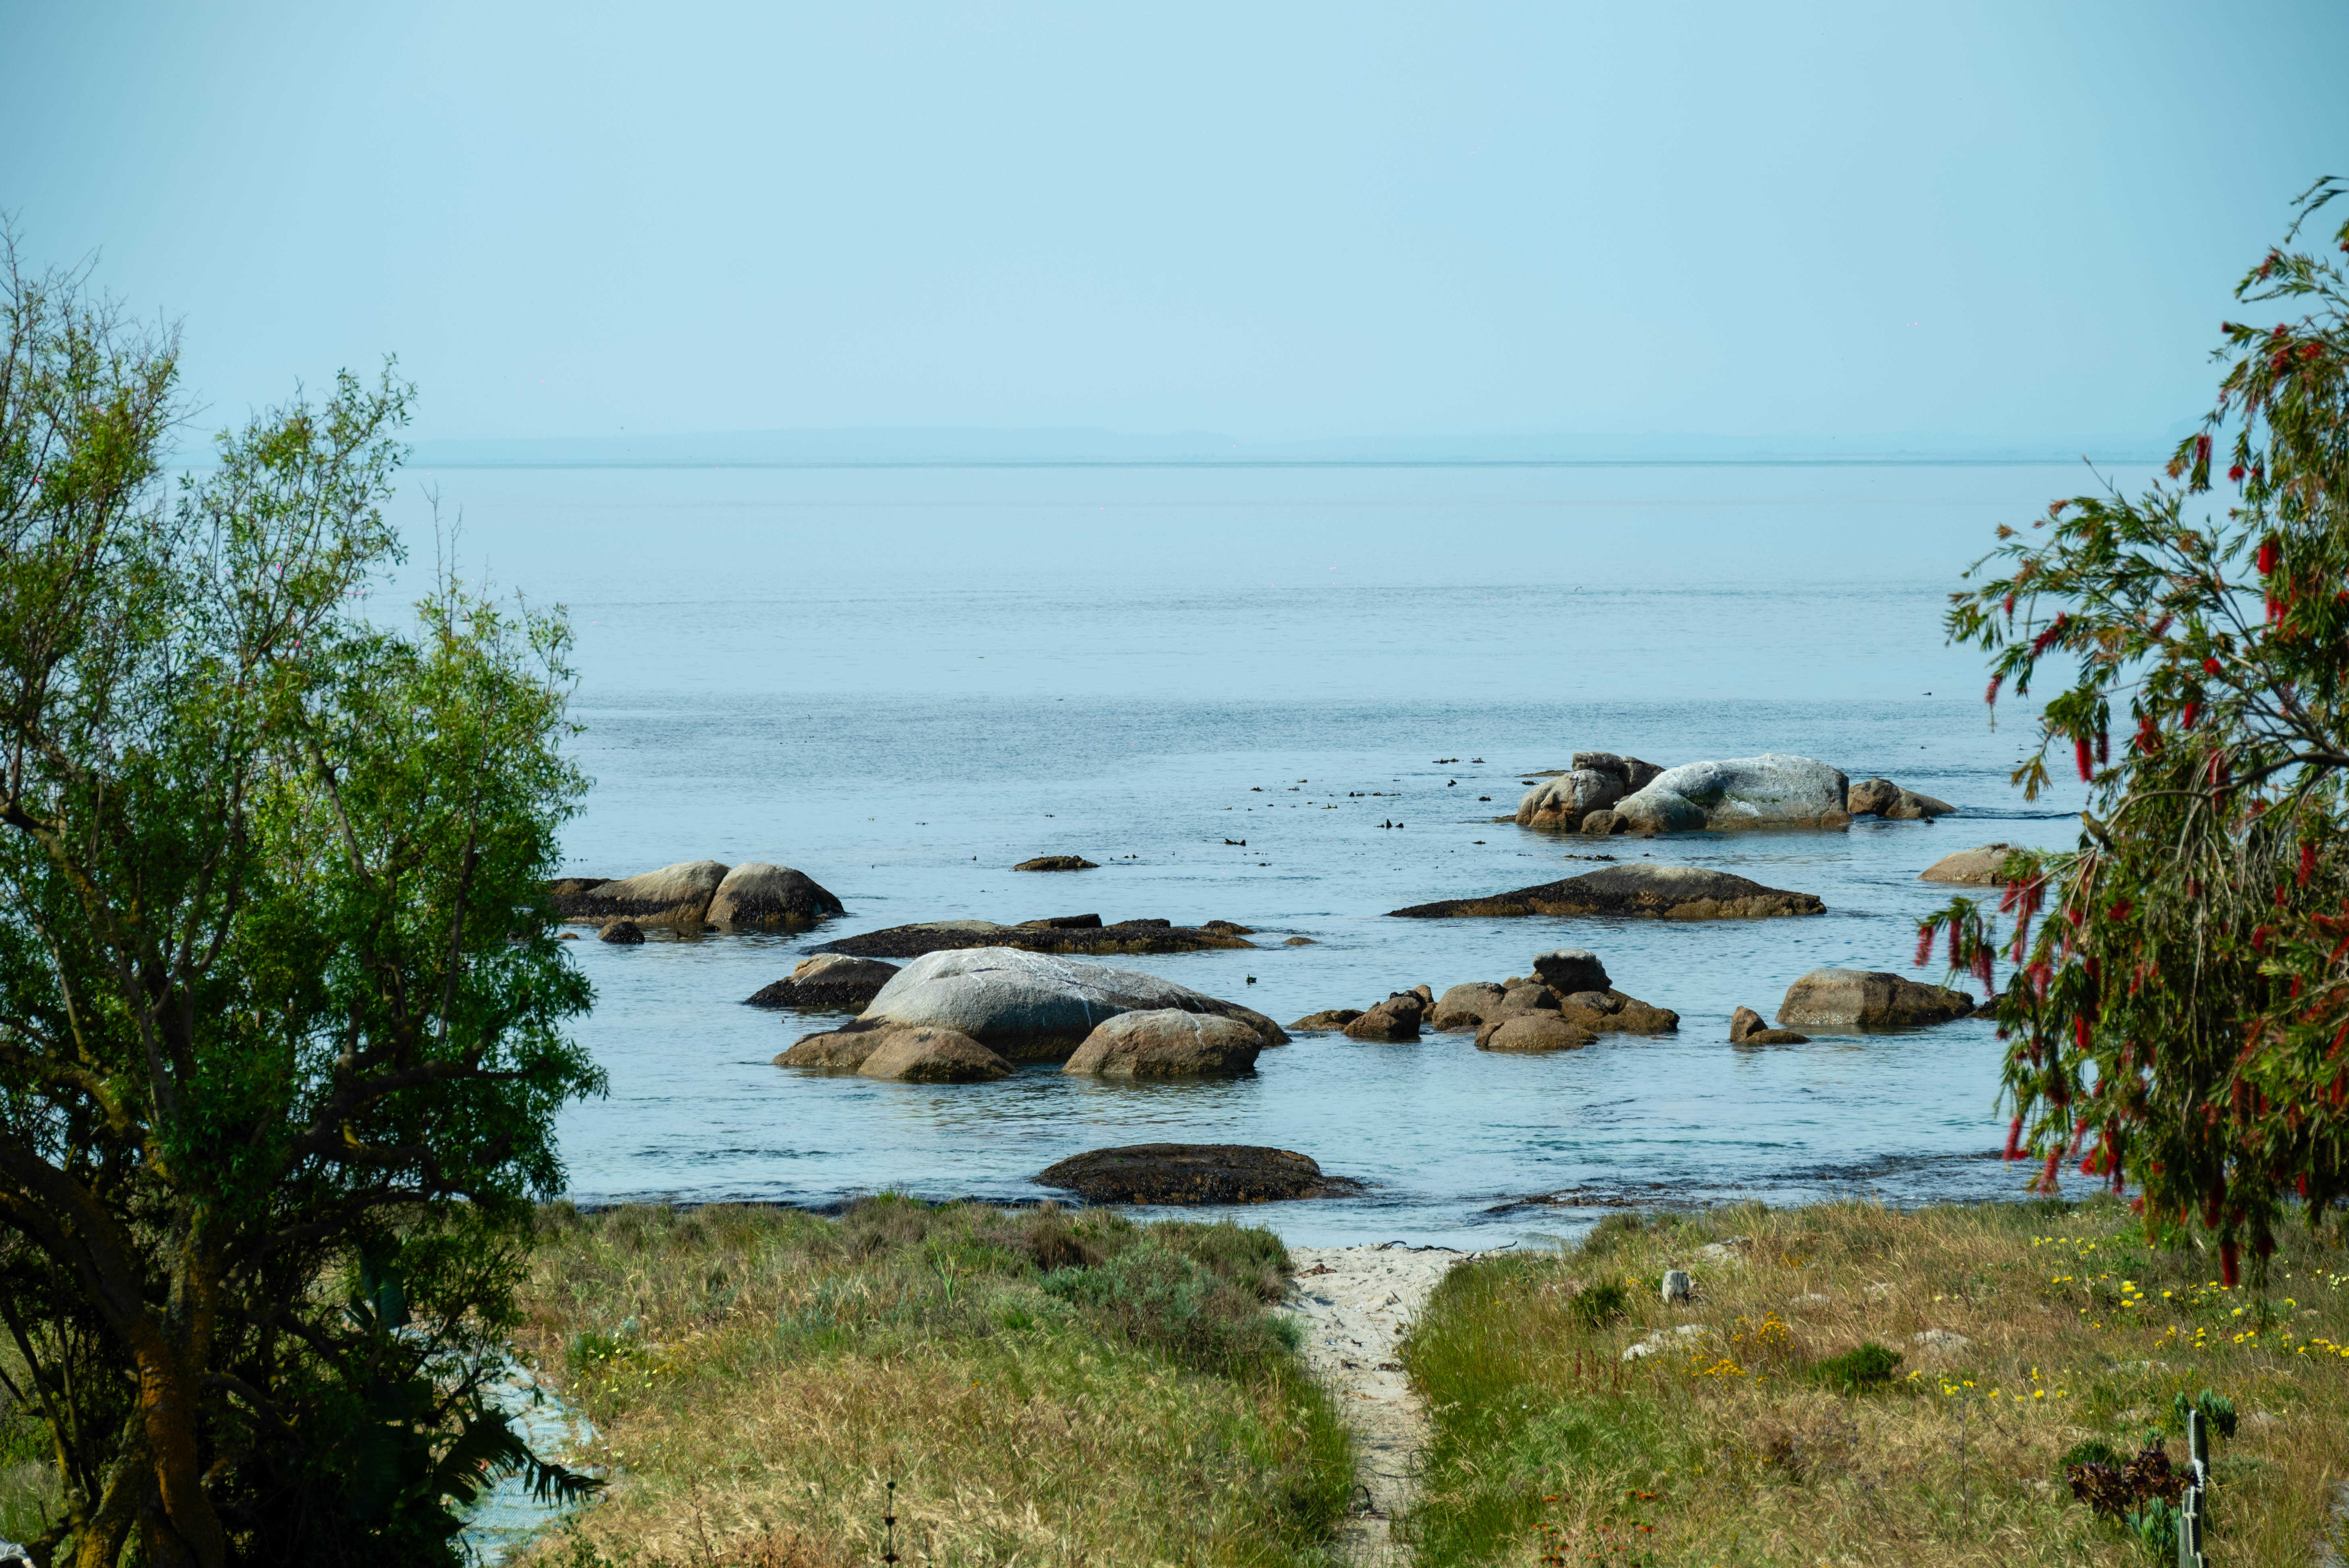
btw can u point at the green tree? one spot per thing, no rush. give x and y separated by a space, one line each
282 1012
2178 1010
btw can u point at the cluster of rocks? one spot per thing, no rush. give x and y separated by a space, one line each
696 895
1055 933
1604 793
1567 1003
1016 1006
1632 892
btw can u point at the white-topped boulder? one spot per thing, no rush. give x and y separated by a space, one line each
1772 790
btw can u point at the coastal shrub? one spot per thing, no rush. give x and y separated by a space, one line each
2218 1412
1157 1294
2092 1452
2170 988
1611 1232
1596 1305
1870 1366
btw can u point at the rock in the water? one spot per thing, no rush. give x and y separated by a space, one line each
1534 1032
674 895
1634 773
1868 999
833 1048
1465 1007
1611 1012
830 981
1772 790
1393 1021
1296 942
1977 867
1057 863
1192 1173
561 888
1748 1027
932 1056
1561 803
771 897
1033 1007
1571 969
1327 1019
1167 1042
1058 935
623 933
1604 823
1637 892
1883 798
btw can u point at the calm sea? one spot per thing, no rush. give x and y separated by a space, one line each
902 680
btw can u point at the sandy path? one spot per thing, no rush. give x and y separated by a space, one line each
1357 1303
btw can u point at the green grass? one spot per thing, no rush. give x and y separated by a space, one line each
1044 1387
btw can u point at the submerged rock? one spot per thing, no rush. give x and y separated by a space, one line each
1330 1018
1167 1042
1033 1007
1883 798
932 1056
1868 999
831 982
1534 1032
1633 892
1772 790
1192 1173
1746 1027
1064 933
760 894
1057 863
1977 867
835 1048
623 934
674 895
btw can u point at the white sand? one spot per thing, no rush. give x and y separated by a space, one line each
1358 1303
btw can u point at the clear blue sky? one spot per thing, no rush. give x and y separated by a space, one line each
1969 221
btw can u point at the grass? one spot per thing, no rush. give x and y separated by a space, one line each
1785 1431
29 1493
1043 1388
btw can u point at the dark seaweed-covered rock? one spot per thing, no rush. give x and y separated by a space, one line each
1057 935
830 982
1641 892
1057 863
774 897
1192 1173
623 933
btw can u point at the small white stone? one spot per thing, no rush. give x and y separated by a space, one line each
1677 1286
1941 1339
1811 1302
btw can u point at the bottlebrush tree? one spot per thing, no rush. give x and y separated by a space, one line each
2176 996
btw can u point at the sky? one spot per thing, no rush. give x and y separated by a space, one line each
1970 223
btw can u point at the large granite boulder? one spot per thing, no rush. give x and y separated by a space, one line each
1638 891
772 897
1467 1007
1166 1042
1033 1007
932 1056
1057 863
829 982
1534 1032
1060 933
1883 798
1772 790
1977 867
1393 1021
1868 999
838 1050
1192 1173
675 895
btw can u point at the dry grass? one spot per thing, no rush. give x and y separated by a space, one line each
1730 1447
1043 1389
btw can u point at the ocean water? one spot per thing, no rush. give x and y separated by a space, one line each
903 680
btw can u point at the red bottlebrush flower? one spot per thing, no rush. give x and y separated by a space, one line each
2148 735
2280 329
1991 697
2193 711
2264 1247
1953 944
2210 667
2092 1162
2236 473
2307 862
2228 1275
2201 448
2080 754
2277 362
2046 1183
2080 1031
2013 1140
2210 1203
2121 910
2137 1207
2010 607
2310 351
1924 945
2301 1183
2055 630
2266 556
2242 1094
